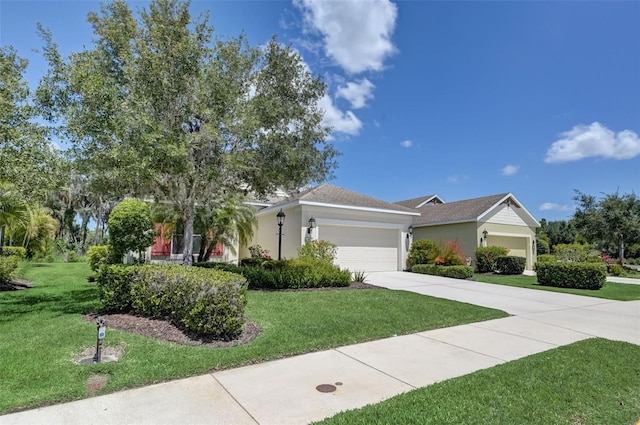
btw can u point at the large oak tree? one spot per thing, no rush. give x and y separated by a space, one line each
157 106
612 220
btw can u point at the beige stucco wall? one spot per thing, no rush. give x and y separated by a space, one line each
518 239
464 234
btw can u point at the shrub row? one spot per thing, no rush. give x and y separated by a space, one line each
572 275
510 264
287 274
456 272
206 302
8 264
17 251
486 257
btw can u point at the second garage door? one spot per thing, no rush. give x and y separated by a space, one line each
363 248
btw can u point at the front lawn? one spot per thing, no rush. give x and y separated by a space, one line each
595 381
41 329
610 290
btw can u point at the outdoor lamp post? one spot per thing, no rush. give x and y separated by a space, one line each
280 216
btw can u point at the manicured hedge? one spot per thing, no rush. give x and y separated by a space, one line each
486 258
205 301
8 264
572 275
510 265
288 274
114 284
18 251
456 272
546 258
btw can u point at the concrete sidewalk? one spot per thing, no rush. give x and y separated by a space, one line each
284 391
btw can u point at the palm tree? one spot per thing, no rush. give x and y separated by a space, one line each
225 222
13 210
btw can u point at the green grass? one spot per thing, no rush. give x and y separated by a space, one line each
589 382
41 329
610 290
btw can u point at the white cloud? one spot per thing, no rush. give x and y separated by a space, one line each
406 143
595 140
356 33
510 170
340 122
550 206
357 93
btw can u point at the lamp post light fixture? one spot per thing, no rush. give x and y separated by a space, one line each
312 224
409 231
280 216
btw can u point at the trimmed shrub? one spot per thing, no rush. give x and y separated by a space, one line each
296 273
130 228
17 251
422 251
572 275
227 267
318 250
510 264
456 272
252 261
8 264
573 252
114 283
486 257
546 258
205 301
97 256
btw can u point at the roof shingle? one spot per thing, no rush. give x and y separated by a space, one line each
465 210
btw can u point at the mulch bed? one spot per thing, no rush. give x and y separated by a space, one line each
165 331
16 285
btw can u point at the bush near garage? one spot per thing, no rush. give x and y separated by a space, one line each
571 275
422 251
207 302
8 264
510 265
456 272
289 274
486 258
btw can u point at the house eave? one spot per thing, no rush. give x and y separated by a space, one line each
337 206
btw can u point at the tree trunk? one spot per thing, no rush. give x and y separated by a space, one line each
188 218
621 248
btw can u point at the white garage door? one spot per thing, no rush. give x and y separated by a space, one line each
363 248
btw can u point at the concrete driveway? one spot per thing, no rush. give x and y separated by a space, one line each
286 391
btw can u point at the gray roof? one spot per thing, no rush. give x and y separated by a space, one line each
333 195
459 211
414 202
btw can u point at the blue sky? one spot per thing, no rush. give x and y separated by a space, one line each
460 99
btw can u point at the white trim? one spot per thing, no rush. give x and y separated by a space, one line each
322 204
439 223
429 200
374 224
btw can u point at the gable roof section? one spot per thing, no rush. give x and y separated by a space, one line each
459 211
420 202
333 196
